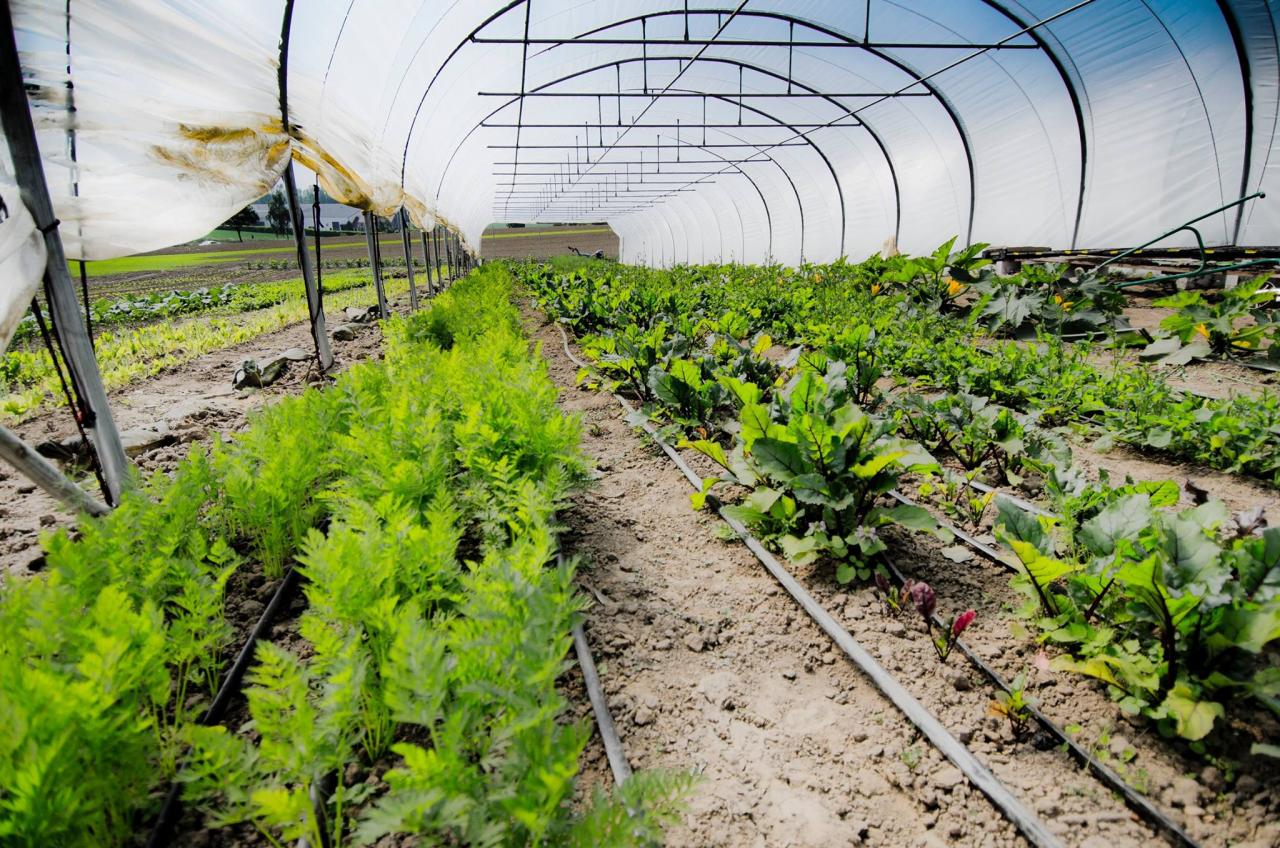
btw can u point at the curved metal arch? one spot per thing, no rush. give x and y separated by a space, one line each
1068 82
768 216
765 153
1246 79
764 114
947 106
816 27
736 168
1076 105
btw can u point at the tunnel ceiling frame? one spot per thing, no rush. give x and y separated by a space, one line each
904 121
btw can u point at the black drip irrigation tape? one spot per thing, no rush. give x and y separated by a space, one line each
978 774
162 831
599 706
1133 799
968 538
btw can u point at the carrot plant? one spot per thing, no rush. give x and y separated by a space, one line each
433 615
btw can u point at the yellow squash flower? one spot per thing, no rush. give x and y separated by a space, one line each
875 288
953 288
1202 330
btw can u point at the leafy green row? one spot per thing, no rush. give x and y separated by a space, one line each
438 507
132 309
28 381
457 447
1174 616
924 336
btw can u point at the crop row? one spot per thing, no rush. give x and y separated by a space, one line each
1172 610
29 382
137 309
417 497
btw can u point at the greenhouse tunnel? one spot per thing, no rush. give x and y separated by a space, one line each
777 178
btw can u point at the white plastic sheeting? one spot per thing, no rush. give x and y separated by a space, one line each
751 131
22 257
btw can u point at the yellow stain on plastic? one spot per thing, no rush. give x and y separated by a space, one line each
227 156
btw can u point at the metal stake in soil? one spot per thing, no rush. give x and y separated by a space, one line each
45 475
298 222
426 262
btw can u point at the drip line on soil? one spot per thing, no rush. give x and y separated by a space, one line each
162 830
1027 823
613 749
1134 799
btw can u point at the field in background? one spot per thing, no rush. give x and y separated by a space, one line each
545 242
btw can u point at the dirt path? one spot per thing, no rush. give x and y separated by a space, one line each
709 667
191 402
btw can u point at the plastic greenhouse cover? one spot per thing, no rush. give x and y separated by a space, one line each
22 255
747 130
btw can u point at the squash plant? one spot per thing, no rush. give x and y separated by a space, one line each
1046 297
935 282
1230 324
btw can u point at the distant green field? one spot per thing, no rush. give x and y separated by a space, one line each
557 231
172 261
230 235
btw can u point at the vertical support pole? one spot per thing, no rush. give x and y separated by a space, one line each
371 237
435 241
315 216
296 220
426 262
408 260
20 133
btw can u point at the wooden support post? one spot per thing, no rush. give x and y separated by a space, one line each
324 354
371 235
20 133
44 474
408 260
